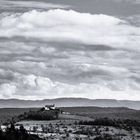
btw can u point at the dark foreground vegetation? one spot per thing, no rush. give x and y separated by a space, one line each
21 134
17 134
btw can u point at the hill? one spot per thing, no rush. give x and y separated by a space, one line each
6 114
69 102
105 112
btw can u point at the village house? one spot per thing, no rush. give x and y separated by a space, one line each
50 107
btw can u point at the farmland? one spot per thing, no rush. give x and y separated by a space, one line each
85 123
83 128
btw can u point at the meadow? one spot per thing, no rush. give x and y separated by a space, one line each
102 112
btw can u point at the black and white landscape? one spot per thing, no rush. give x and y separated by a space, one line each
81 58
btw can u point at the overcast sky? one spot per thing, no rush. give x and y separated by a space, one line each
70 48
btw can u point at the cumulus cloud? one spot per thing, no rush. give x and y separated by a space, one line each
7 90
62 25
64 53
39 88
28 71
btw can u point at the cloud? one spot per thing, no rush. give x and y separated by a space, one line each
64 53
37 87
128 1
7 90
68 25
37 70
5 4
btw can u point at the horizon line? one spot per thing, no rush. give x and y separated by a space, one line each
68 98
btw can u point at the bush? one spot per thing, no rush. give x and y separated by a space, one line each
106 137
42 115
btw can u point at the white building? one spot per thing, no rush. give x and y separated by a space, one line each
50 107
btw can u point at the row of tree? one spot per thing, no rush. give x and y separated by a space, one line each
112 122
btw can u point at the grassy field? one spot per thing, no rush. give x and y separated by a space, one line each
7 113
99 112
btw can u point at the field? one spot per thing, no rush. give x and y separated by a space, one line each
81 123
69 129
74 127
109 112
92 112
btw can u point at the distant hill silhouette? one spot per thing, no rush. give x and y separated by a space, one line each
69 102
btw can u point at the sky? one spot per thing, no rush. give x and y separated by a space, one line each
70 48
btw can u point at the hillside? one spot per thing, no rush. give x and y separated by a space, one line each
69 102
105 112
6 114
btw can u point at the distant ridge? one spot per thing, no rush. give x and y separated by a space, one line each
69 102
